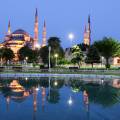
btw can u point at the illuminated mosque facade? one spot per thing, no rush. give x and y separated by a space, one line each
20 38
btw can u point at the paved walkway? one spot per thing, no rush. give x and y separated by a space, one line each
9 75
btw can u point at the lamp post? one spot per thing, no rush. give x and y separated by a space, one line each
49 57
56 56
49 88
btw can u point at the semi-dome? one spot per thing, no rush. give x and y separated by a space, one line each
20 31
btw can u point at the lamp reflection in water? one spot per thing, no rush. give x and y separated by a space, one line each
56 83
37 89
26 79
49 88
70 101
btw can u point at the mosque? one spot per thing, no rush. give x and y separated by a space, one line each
20 38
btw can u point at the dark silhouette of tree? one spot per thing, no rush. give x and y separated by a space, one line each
104 95
92 56
44 52
53 97
83 47
6 54
56 48
27 52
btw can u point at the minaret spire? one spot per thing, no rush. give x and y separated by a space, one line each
85 29
9 28
87 33
35 30
89 24
89 29
44 39
89 19
36 15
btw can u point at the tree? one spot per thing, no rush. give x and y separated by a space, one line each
108 48
44 54
92 56
83 47
77 55
104 95
53 97
55 44
1 55
6 54
27 52
56 48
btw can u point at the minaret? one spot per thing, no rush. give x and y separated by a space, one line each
44 39
89 29
9 28
34 103
43 97
34 99
35 30
87 33
8 102
7 37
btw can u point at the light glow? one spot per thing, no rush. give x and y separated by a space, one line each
71 36
55 83
37 46
56 55
37 89
70 101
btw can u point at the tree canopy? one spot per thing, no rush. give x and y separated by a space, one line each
108 48
92 56
77 55
56 48
27 52
6 53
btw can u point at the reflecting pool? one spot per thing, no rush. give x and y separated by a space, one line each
55 98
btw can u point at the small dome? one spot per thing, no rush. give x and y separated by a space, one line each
20 31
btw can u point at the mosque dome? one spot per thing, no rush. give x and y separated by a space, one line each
20 31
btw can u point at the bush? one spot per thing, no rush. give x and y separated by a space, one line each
1 69
107 66
42 66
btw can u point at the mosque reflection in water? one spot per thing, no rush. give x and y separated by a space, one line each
54 90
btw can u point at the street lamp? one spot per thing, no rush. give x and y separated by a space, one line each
56 56
49 57
26 58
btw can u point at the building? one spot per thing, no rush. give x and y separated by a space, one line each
115 61
16 40
20 38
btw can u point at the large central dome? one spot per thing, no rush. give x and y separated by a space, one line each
20 31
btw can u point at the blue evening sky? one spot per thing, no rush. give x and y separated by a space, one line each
62 17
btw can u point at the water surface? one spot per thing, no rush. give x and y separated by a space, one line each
59 99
